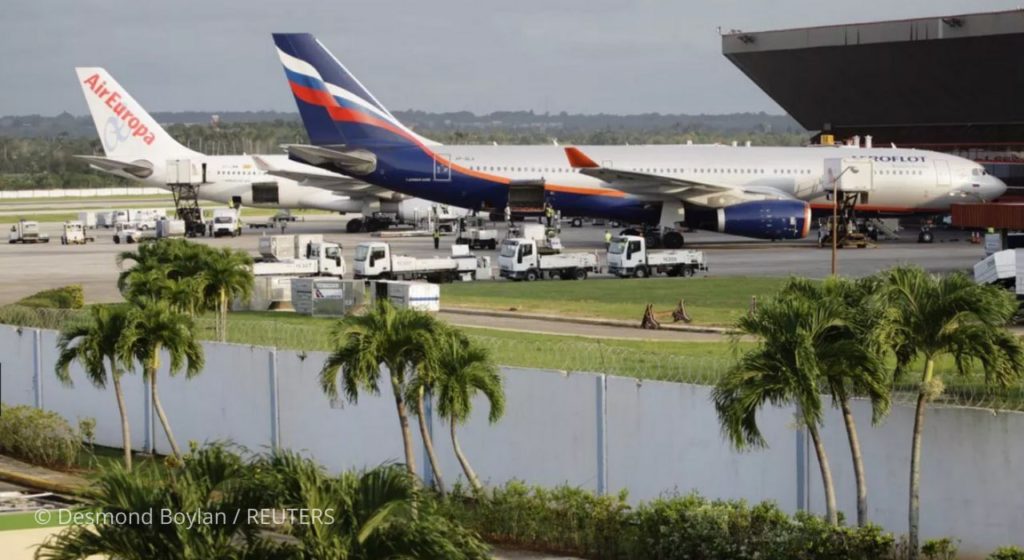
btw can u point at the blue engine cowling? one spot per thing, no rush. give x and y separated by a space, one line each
760 219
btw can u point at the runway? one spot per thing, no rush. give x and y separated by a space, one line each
26 269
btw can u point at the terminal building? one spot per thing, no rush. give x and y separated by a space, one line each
950 83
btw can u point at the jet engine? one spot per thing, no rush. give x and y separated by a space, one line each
760 219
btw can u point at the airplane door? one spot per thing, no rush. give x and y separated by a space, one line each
442 172
942 173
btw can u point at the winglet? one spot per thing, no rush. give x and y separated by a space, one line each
262 164
578 159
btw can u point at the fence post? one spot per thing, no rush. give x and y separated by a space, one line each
275 410
602 431
37 365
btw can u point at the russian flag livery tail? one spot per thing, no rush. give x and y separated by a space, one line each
335 108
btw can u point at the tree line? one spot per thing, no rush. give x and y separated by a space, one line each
46 160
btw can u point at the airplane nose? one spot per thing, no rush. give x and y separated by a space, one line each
992 188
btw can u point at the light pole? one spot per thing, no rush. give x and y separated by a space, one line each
835 214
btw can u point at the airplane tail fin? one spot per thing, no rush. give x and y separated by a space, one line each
125 128
335 107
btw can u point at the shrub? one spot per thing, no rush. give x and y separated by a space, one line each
38 436
939 549
68 297
573 521
1007 553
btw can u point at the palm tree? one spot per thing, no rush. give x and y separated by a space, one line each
226 273
91 343
932 316
457 370
394 338
854 365
154 326
785 367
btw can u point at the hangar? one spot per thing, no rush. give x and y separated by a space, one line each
948 83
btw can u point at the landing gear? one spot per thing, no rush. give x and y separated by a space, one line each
847 232
672 240
926 235
655 238
355 225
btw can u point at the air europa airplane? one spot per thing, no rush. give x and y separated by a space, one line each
766 193
136 147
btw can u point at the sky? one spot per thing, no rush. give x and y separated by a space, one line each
579 56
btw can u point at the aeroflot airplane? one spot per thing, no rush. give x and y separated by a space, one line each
136 147
766 193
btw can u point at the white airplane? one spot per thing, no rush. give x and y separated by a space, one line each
766 193
138 148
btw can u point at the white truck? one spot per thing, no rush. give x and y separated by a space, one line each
628 256
225 223
88 219
525 259
374 260
144 219
75 234
26 231
298 255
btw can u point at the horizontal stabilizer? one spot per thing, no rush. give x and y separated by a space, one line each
352 162
139 168
310 176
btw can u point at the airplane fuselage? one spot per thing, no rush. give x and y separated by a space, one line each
904 181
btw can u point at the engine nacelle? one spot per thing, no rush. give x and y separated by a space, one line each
760 219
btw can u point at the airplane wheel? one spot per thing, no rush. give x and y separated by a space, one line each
672 240
925 237
354 225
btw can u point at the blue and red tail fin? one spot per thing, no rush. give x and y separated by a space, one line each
335 107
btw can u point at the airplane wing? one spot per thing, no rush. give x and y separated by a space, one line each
315 177
638 183
140 168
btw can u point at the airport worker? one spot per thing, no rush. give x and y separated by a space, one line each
437 238
549 213
607 239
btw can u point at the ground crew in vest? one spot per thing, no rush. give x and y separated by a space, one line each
437 238
549 213
607 239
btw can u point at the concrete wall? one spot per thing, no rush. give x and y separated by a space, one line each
61 193
598 432
17 365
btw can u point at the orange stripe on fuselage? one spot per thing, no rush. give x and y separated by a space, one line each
585 190
893 209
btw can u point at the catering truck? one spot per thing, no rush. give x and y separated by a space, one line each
375 260
628 256
298 255
526 259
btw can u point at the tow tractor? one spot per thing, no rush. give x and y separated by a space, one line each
526 259
628 256
74 234
473 232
